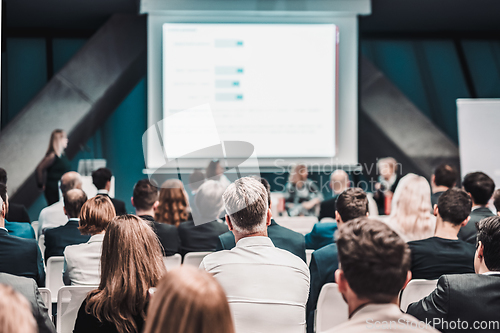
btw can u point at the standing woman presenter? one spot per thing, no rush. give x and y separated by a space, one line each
53 166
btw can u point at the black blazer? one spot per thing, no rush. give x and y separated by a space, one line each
57 239
21 257
167 234
200 238
327 208
468 297
281 237
17 213
120 208
469 232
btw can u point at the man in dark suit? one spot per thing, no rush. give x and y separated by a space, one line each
339 182
480 187
18 256
444 177
102 181
351 204
28 288
281 237
468 298
57 239
16 213
145 202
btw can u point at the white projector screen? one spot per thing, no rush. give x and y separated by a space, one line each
272 85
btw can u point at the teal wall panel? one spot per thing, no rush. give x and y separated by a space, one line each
483 58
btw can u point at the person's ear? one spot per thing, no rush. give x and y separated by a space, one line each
408 279
338 218
65 211
433 179
436 210
480 251
229 223
464 223
132 201
155 205
341 281
268 217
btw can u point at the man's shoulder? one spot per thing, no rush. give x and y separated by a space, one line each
278 229
322 227
326 250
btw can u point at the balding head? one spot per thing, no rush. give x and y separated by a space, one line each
339 181
73 202
71 180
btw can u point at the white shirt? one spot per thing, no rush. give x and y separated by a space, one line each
267 288
83 262
52 217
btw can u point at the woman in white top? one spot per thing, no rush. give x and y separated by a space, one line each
82 261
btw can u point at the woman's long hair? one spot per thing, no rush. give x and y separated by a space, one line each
189 300
411 207
54 145
174 206
131 263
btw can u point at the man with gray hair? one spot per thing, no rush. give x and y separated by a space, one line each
267 287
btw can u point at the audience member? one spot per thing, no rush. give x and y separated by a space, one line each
281 237
469 299
19 229
496 201
54 216
255 269
386 185
445 253
28 288
57 239
203 235
445 177
145 201
215 171
480 188
374 267
351 204
302 195
82 261
411 208
189 300
17 212
196 179
339 182
101 178
18 256
15 314
173 205
131 264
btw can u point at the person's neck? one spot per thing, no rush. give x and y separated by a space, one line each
355 304
2 222
446 230
439 188
474 205
238 236
482 269
149 212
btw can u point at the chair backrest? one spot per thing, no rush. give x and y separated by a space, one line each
34 225
308 256
41 244
69 300
328 220
54 279
331 309
301 224
172 261
415 291
47 299
194 258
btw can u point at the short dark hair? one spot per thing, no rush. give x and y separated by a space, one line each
352 203
3 192
100 177
3 176
489 235
145 194
445 175
496 200
374 258
264 182
454 206
480 186
73 202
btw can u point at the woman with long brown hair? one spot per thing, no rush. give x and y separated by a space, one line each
173 207
53 166
131 263
189 300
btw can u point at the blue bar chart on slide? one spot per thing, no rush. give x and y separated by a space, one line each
229 70
227 84
228 43
228 97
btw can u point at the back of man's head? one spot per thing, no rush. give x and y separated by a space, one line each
208 200
73 202
480 186
71 180
246 202
339 181
145 194
496 200
373 258
454 206
489 235
3 197
351 204
101 177
264 182
445 175
3 176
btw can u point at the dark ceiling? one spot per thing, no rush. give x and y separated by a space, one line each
388 16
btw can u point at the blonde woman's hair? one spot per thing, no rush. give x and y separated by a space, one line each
173 205
189 300
15 312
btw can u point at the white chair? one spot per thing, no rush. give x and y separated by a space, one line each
194 258
300 224
309 256
34 225
69 300
41 245
415 291
328 220
47 299
331 309
172 261
53 279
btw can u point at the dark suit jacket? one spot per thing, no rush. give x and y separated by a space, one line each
21 257
57 239
27 288
201 238
469 232
281 237
327 208
434 199
321 235
468 297
167 234
120 208
17 213
324 263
